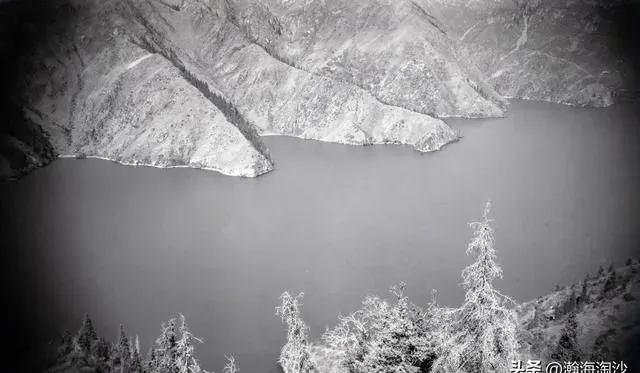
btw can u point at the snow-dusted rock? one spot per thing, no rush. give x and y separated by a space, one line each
543 50
195 82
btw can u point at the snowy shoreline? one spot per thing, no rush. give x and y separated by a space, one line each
225 172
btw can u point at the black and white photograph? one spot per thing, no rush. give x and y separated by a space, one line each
320 186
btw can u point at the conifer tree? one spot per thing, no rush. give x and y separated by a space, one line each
583 298
634 265
412 337
484 331
611 283
388 337
295 356
99 361
86 335
606 347
600 270
136 365
150 364
101 349
572 300
537 318
135 345
122 352
230 366
567 348
165 351
65 347
185 357
568 304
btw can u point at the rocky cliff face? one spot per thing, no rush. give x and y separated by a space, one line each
196 82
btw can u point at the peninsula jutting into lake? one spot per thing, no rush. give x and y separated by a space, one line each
325 158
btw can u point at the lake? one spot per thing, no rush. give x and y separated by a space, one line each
137 245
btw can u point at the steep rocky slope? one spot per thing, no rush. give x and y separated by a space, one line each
201 99
23 144
96 93
196 82
607 310
272 95
395 50
558 51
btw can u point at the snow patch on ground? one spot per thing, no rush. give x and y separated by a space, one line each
136 62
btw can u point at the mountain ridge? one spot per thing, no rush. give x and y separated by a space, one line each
375 72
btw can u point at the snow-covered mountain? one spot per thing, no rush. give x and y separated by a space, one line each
196 82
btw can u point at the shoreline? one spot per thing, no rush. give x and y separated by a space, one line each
140 164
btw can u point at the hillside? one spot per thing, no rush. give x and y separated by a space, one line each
275 97
393 49
195 83
608 310
567 52
608 322
153 84
96 93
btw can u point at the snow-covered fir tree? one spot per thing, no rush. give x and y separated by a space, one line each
135 345
230 366
611 283
122 352
150 364
136 364
569 303
606 347
567 348
295 356
384 337
583 298
572 300
65 346
634 265
102 349
99 361
164 354
172 352
483 331
185 359
86 335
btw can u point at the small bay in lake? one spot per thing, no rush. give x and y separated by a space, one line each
136 245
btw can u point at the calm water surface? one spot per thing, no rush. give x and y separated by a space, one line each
136 245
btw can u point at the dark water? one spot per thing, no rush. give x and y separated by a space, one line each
136 245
